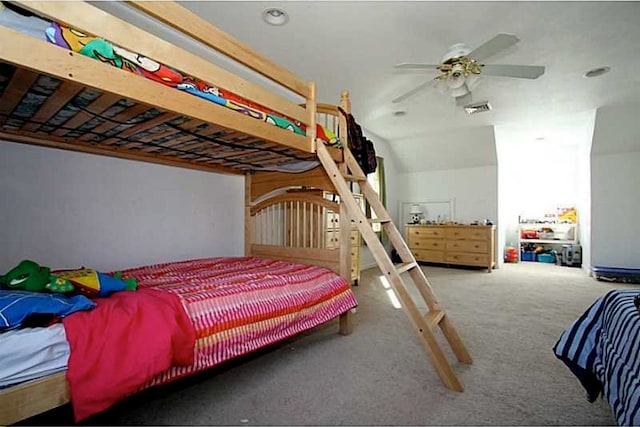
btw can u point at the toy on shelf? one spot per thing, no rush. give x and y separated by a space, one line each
567 215
30 276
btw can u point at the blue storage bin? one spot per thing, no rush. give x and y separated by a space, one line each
550 258
527 256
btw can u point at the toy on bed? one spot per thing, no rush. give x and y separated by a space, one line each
30 276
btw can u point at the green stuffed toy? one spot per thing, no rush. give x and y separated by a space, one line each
30 276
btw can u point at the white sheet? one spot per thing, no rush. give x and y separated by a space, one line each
30 353
31 25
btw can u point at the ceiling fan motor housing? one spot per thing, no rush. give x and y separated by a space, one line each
456 51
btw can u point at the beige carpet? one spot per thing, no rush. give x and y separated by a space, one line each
380 375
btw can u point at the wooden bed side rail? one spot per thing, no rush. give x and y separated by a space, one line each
34 397
91 20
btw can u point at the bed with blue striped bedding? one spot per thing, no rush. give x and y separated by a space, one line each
602 348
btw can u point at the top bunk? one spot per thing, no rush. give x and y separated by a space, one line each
76 77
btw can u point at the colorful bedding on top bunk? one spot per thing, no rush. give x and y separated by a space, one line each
188 316
602 348
107 52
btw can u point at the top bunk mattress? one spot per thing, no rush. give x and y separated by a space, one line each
237 153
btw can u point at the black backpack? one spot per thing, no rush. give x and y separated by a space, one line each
360 145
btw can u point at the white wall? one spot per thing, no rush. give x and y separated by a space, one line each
615 184
474 191
66 209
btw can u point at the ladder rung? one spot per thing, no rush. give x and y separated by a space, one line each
433 318
379 220
356 178
401 268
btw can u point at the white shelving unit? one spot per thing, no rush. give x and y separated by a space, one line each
562 234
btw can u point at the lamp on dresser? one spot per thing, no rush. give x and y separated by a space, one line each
416 214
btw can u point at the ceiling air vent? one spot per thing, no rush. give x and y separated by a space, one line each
477 107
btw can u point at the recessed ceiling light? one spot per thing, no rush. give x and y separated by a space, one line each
399 113
275 16
597 72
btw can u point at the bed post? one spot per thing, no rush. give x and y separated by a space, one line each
346 326
345 104
248 230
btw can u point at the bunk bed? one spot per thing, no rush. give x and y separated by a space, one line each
215 121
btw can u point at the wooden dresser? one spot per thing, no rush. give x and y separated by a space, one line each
471 245
333 226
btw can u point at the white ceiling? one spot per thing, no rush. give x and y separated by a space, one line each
353 45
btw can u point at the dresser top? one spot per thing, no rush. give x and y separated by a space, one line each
449 226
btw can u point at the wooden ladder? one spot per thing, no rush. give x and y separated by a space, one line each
425 324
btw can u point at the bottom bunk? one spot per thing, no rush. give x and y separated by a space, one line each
185 317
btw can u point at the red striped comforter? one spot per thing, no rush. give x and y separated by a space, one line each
238 305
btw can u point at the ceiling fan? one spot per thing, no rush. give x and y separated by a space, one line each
462 67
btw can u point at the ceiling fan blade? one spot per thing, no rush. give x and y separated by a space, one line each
517 71
413 91
415 67
493 46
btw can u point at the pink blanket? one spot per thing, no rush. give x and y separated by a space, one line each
124 342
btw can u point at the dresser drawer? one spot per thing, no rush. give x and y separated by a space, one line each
332 239
467 233
467 259
431 232
427 255
419 242
333 220
481 246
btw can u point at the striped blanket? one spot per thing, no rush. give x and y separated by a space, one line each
238 305
602 348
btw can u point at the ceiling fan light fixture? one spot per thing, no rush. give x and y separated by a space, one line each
459 91
472 80
456 76
275 16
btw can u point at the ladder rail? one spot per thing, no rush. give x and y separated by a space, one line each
419 279
424 325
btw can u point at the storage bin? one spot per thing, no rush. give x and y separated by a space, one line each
550 258
528 256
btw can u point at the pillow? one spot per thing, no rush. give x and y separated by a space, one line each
17 306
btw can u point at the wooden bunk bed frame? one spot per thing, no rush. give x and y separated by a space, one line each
159 124
142 120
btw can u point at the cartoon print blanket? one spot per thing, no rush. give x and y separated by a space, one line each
119 57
